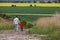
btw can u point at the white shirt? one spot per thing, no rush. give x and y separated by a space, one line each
16 20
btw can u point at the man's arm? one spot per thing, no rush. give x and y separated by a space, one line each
18 21
13 21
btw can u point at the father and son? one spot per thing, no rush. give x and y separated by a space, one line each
17 23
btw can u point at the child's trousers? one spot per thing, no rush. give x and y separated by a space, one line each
21 29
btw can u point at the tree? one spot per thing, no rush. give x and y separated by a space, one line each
49 1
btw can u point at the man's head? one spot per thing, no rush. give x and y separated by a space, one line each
16 16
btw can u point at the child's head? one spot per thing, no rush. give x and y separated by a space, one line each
22 22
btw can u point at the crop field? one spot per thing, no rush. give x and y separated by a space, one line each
26 9
28 4
38 8
30 18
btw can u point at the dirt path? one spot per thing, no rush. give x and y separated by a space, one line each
12 35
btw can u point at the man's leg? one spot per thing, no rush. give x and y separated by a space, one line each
16 27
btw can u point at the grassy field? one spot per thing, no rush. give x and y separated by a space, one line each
35 10
48 26
30 18
25 8
51 30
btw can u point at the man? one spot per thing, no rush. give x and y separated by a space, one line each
16 22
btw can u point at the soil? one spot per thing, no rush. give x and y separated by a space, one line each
13 35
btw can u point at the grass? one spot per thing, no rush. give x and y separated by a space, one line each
6 27
52 31
38 10
30 18
42 30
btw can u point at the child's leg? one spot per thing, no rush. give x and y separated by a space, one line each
21 29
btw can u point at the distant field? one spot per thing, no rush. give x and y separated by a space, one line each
28 4
26 9
29 18
46 8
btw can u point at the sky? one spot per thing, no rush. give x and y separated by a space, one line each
31 0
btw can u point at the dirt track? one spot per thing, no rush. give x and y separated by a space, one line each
12 35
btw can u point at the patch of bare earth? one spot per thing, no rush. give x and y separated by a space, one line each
5 22
12 35
55 20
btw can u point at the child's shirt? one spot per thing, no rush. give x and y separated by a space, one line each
21 25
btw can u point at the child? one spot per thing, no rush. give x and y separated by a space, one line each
21 26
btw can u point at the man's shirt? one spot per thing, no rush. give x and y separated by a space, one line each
16 20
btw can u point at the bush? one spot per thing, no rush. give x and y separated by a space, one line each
35 2
34 5
13 5
29 25
24 22
3 15
49 1
30 5
21 1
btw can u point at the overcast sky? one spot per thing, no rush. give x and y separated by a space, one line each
31 0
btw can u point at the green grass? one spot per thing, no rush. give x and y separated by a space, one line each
6 27
30 18
52 31
42 30
38 10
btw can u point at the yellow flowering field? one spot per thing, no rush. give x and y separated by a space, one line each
28 4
